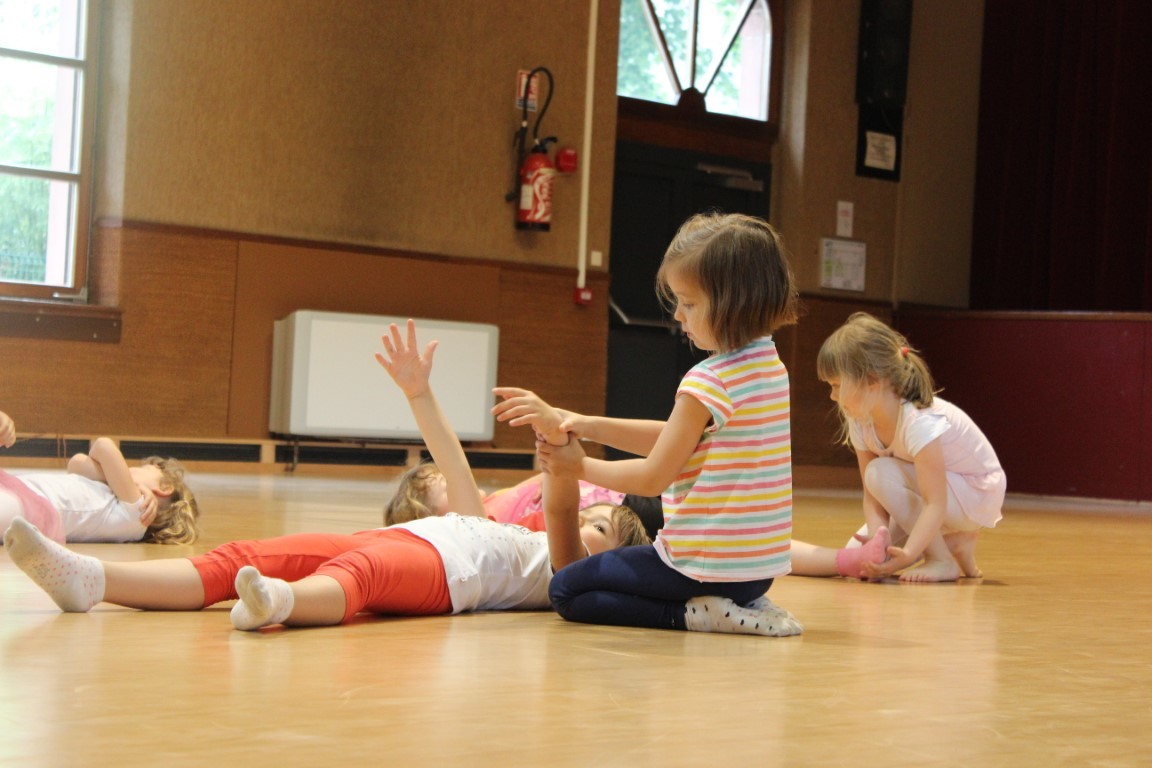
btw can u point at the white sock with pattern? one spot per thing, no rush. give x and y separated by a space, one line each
264 601
75 582
719 614
785 617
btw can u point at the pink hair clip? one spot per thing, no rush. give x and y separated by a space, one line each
904 352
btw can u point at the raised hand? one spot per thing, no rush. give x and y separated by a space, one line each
404 363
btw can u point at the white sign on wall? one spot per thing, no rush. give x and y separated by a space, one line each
842 264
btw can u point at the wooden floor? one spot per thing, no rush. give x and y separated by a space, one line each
1047 661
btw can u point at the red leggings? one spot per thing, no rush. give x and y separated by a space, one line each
388 570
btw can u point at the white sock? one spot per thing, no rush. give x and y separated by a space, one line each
264 601
75 582
719 614
762 603
785 617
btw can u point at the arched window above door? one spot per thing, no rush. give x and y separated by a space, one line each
700 74
714 52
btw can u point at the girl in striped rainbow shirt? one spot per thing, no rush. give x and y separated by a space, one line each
722 460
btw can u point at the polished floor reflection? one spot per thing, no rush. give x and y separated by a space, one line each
1046 661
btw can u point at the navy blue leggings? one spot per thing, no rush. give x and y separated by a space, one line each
632 587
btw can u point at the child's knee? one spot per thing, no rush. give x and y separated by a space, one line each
892 482
559 594
882 474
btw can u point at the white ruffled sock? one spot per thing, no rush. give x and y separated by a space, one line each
264 600
719 614
75 582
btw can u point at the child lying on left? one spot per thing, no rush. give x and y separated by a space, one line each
101 498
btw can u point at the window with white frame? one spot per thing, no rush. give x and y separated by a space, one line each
45 137
717 50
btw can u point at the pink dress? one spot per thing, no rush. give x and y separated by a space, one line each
521 504
37 509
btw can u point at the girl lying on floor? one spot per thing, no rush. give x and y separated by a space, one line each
101 498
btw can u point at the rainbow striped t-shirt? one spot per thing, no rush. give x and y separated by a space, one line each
728 515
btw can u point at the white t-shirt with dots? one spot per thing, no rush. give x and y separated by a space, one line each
490 566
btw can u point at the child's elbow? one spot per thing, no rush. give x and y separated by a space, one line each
651 487
100 445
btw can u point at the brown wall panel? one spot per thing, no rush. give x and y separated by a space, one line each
274 280
1145 445
194 359
169 373
815 424
547 343
550 345
380 124
1061 397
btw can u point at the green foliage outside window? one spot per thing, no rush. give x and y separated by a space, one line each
23 200
641 69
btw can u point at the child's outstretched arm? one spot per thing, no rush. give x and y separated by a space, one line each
520 406
411 370
648 476
562 518
7 430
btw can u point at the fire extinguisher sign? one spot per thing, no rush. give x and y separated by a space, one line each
533 90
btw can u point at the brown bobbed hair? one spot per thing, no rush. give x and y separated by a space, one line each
740 264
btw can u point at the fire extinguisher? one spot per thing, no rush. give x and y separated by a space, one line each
535 173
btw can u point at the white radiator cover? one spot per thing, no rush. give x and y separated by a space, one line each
326 381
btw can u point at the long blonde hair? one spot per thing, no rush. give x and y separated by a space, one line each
177 514
410 500
865 349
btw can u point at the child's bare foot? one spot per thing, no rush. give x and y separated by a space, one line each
963 548
933 571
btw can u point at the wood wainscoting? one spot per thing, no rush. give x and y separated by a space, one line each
197 308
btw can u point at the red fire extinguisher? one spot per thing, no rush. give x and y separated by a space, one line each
535 173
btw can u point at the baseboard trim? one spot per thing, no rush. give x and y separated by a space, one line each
40 451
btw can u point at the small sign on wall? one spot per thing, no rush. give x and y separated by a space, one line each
879 132
842 264
533 90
